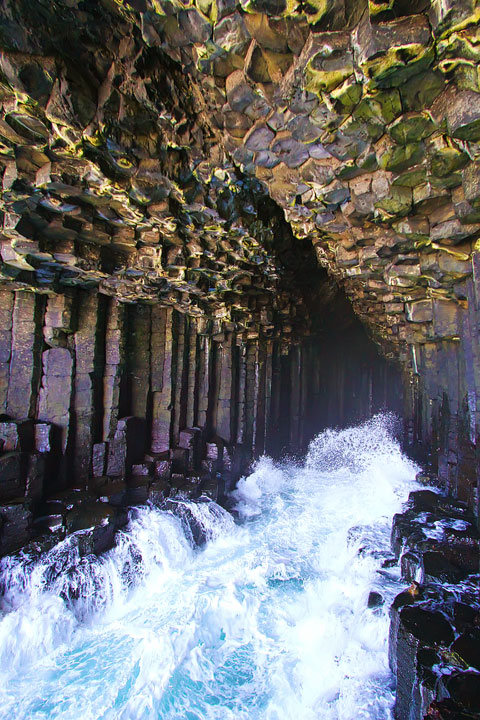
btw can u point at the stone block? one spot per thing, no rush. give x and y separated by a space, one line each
12 483
43 436
126 446
15 527
162 469
57 362
181 460
35 476
117 451
9 437
98 459
420 311
158 491
446 320
212 451
141 470
188 438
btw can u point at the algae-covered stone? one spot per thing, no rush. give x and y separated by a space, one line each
398 158
411 128
330 63
397 203
390 53
446 158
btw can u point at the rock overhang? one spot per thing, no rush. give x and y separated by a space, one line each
138 137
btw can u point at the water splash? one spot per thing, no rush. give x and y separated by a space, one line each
268 621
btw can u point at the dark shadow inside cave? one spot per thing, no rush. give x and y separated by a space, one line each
336 378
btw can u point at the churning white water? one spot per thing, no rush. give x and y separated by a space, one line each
267 621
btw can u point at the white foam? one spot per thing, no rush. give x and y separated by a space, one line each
268 622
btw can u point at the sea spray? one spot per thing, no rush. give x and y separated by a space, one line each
268 620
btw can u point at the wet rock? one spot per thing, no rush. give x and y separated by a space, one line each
158 492
15 527
35 476
42 432
11 482
98 459
99 523
375 599
463 689
113 492
417 628
193 527
448 710
467 647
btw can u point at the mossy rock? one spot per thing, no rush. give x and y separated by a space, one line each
447 160
420 91
328 69
381 107
412 177
411 128
347 95
397 65
397 203
401 157
449 181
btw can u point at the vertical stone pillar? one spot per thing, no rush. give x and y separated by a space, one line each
241 393
55 391
179 389
6 312
139 359
114 359
295 396
268 389
224 398
87 361
203 374
473 295
251 394
25 355
192 365
162 381
273 445
259 437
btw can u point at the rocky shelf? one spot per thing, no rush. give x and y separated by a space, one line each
435 624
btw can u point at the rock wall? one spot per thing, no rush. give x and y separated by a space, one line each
139 400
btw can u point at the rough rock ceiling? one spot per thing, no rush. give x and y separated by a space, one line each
140 141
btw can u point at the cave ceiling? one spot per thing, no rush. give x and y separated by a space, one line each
219 156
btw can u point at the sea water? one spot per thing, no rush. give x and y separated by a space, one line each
269 620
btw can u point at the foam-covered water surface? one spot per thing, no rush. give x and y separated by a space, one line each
268 621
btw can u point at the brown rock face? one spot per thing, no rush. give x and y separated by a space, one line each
185 188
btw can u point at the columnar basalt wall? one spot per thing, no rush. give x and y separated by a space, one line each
126 402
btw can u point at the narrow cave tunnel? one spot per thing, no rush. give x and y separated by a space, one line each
336 377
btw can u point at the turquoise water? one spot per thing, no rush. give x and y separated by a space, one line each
268 621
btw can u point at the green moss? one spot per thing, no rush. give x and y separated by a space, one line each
397 203
420 91
397 65
447 160
380 107
411 128
347 95
399 158
411 178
